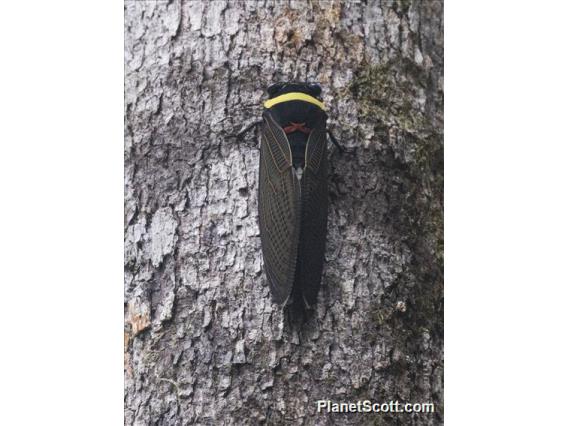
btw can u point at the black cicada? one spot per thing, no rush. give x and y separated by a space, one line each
293 194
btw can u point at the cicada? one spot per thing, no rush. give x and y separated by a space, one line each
293 190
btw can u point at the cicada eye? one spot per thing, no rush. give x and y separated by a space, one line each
315 88
274 88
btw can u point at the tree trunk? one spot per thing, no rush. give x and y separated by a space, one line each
204 344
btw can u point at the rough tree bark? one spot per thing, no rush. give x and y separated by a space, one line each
203 342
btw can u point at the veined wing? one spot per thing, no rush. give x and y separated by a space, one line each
314 207
279 209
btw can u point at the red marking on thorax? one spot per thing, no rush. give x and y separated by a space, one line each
293 127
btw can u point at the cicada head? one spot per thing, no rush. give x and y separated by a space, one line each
277 89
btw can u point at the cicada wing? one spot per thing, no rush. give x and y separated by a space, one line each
279 209
314 207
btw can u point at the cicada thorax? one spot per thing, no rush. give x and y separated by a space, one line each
298 119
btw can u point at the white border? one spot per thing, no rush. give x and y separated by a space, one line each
61 170
506 212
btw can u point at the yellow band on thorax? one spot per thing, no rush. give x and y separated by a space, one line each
293 96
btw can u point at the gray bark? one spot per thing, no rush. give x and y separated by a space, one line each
204 344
